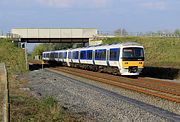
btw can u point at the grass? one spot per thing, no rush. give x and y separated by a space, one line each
12 56
159 51
29 109
24 107
1 97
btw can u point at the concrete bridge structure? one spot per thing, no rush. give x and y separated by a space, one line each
53 35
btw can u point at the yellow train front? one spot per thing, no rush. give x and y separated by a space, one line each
131 60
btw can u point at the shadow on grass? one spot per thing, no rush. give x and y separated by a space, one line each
161 73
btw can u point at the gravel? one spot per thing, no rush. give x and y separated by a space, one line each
98 102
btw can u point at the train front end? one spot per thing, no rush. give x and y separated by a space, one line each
132 60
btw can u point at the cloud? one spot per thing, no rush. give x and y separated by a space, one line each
60 3
72 3
161 5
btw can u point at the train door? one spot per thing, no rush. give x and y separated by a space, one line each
107 56
68 59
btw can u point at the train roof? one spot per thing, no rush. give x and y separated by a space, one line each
130 43
101 46
117 44
54 51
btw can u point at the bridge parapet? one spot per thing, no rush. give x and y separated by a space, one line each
54 33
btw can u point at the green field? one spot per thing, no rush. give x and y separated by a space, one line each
159 51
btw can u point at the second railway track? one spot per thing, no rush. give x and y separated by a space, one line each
161 89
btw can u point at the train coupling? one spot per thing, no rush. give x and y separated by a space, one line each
133 69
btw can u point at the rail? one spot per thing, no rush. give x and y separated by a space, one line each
165 90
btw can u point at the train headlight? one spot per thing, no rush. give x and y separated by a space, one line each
140 62
126 62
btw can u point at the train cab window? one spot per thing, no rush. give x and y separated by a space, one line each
100 54
75 55
89 54
83 55
138 52
114 54
128 52
134 52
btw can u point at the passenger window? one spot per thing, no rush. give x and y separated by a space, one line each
100 54
89 54
60 55
75 55
65 55
83 55
114 54
56 56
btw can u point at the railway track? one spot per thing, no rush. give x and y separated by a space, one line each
162 89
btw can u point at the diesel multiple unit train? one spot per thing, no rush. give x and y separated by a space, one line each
122 58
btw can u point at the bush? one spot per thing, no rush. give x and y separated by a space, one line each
13 57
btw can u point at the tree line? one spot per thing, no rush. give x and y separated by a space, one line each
124 32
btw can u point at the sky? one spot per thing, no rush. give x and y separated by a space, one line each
105 15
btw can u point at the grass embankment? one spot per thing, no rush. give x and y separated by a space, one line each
159 51
13 58
25 107
1 95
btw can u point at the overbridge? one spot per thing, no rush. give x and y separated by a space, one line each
53 35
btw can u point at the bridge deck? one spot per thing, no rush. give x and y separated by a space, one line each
57 35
